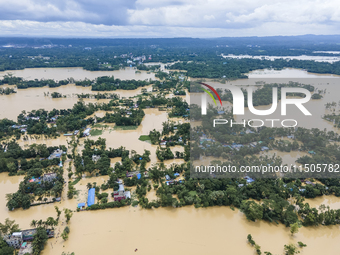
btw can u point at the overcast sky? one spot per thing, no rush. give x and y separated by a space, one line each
166 18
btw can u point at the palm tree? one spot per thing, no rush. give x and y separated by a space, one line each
40 223
33 223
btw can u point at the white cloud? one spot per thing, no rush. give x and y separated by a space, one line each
146 18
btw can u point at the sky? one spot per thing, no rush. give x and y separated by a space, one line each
168 18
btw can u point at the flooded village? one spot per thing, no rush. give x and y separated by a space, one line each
92 231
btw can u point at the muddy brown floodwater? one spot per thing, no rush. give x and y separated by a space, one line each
77 73
217 230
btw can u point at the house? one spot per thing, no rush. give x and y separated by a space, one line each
121 193
50 233
127 194
49 177
26 248
27 235
14 240
249 180
56 154
167 177
248 131
87 132
81 206
95 158
264 148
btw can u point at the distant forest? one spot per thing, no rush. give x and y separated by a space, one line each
201 58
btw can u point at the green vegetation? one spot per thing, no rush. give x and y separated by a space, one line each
144 138
125 127
96 132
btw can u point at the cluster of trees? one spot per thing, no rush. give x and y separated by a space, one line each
7 91
13 158
99 96
57 95
109 83
264 94
164 154
123 117
6 129
7 228
24 84
29 192
289 249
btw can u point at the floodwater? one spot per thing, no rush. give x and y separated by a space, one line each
35 98
77 73
287 73
329 59
316 107
187 230
332 201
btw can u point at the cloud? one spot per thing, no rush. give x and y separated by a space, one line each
82 29
89 11
198 18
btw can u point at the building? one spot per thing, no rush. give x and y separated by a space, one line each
91 197
121 193
56 154
95 158
14 240
26 248
81 206
27 235
49 177
87 132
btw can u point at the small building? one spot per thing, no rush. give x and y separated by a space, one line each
50 233
49 177
27 235
56 154
14 240
95 158
87 132
127 194
81 206
91 197
26 248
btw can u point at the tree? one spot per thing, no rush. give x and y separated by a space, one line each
8 227
68 214
294 228
39 240
252 210
58 212
291 249
64 235
89 185
33 223
5 249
